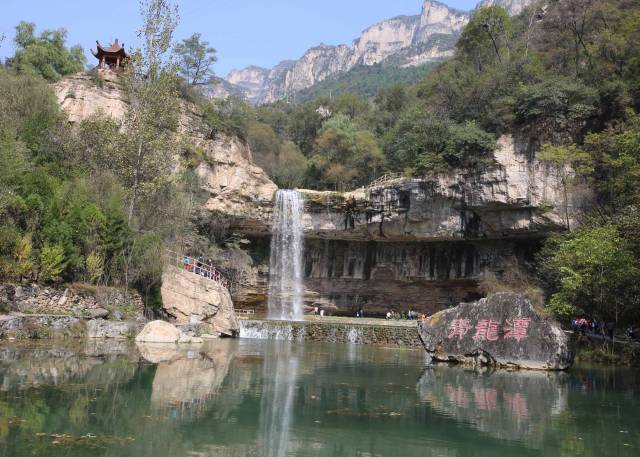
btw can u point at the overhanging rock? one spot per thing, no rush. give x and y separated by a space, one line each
502 330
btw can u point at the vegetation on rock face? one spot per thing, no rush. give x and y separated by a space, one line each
98 201
563 77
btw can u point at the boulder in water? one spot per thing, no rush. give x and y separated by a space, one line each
159 332
502 330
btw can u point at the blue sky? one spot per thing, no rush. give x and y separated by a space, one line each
245 32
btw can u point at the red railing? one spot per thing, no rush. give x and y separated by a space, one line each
201 268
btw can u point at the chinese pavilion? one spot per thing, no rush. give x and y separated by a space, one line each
112 57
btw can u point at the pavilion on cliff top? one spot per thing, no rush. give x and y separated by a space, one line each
112 57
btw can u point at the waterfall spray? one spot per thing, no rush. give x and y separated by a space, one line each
285 265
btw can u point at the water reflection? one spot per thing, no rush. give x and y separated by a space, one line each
257 398
506 405
187 379
280 373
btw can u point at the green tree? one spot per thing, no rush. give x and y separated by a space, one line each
159 21
424 143
486 37
346 155
52 263
265 145
46 55
195 59
597 275
291 167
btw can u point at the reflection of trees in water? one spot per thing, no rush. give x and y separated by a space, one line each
280 373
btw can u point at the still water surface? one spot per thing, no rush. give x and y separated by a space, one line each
266 398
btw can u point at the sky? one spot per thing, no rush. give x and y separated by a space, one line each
245 32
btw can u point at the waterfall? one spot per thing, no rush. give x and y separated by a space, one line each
285 264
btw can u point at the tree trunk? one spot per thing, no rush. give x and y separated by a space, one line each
136 178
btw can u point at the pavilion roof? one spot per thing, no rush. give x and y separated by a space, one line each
114 48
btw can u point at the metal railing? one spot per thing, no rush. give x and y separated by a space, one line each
197 267
385 179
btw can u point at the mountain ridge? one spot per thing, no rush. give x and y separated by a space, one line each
410 40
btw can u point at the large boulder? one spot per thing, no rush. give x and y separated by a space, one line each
191 298
502 330
159 332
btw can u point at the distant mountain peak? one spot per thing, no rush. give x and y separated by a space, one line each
407 40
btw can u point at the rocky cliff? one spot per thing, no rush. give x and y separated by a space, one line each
407 40
235 184
424 243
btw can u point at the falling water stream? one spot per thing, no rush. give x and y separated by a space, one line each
285 265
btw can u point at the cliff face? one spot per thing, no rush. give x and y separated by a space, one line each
513 196
513 7
408 40
425 243
235 184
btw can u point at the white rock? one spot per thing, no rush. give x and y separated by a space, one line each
159 332
187 296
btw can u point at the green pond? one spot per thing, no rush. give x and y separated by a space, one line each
267 398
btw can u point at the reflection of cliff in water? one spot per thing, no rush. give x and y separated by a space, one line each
507 405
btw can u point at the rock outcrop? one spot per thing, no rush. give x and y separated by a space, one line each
159 332
190 298
87 94
502 330
75 300
513 7
514 195
235 184
104 329
407 40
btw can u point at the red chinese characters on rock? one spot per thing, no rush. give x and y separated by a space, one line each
517 329
459 328
486 330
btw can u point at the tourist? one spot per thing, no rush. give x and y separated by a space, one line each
388 315
322 313
315 310
610 326
210 265
631 333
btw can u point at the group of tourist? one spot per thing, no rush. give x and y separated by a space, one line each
582 327
410 316
201 266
